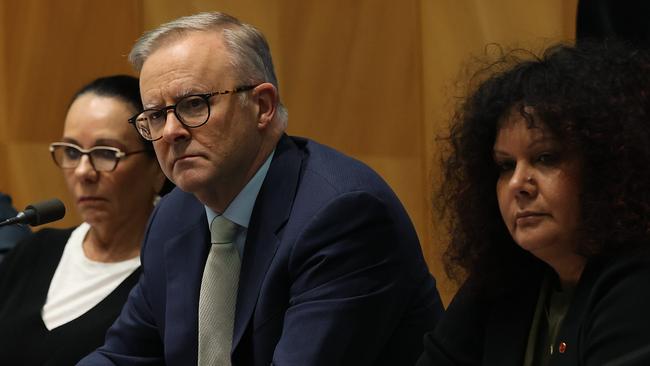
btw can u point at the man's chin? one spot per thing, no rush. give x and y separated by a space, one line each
188 184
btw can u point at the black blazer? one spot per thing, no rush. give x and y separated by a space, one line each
25 277
606 324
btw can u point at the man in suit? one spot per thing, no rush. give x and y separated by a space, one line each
328 269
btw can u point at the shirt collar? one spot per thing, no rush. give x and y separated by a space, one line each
240 209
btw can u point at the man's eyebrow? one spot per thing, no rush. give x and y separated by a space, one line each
176 97
185 92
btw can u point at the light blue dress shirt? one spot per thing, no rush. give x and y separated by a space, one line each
241 208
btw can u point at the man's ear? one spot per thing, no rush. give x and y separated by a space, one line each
266 97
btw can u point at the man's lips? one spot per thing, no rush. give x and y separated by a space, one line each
185 157
84 199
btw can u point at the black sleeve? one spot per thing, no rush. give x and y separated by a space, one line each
458 337
615 330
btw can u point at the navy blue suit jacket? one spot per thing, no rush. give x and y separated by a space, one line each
332 273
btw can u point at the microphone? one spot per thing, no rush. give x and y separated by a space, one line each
38 213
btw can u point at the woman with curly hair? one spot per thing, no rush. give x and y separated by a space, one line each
547 193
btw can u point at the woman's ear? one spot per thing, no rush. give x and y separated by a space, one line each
266 98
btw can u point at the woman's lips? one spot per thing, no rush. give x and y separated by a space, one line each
523 214
529 217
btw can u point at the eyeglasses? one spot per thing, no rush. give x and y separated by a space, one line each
102 158
192 111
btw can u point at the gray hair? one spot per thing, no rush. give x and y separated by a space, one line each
250 54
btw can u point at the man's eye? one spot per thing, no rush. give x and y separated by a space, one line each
192 107
155 115
194 103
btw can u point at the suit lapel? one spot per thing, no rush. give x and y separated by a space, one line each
271 211
185 257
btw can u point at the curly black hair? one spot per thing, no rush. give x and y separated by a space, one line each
595 97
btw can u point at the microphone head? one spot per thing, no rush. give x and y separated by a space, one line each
44 212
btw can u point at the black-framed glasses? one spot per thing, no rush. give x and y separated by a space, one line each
102 158
192 111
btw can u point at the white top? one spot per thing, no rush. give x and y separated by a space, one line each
79 283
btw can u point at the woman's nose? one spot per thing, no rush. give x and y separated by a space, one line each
522 181
85 169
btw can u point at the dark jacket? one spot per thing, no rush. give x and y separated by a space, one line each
25 277
332 273
608 321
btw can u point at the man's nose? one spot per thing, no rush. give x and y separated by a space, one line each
173 129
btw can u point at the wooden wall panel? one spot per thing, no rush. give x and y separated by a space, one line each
352 80
3 100
373 78
453 33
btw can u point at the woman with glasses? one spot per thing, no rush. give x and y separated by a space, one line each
62 289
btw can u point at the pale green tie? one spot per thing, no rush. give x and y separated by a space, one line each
218 295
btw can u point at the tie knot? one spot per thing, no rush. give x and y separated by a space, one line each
222 230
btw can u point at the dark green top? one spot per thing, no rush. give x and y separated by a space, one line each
552 306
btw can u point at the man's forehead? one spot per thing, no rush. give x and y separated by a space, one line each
184 66
159 94
190 44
